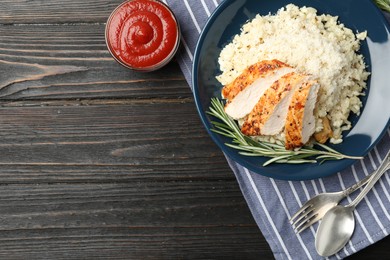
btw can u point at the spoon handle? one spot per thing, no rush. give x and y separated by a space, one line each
375 177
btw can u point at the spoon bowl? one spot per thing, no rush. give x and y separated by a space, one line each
335 230
338 223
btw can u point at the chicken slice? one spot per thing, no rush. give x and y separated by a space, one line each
300 123
260 69
246 90
269 114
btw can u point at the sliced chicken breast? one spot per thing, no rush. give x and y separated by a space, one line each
245 91
269 114
260 69
300 123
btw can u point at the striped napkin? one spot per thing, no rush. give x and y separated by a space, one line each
272 202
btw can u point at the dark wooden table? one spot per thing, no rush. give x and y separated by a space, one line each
101 162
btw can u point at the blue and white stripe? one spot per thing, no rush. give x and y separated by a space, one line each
272 202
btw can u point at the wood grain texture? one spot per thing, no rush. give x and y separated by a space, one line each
55 11
72 61
131 133
123 220
102 162
119 179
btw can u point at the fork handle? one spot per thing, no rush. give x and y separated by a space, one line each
356 186
385 165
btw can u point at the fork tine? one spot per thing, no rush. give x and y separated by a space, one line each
306 226
302 209
304 216
304 219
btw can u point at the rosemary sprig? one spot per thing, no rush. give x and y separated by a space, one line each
277 153
383 4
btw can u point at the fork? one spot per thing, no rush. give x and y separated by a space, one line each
315 208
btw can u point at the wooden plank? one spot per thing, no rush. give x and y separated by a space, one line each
133 219
169 243
72 61
65 173
83 180
134 205
56 11
154 132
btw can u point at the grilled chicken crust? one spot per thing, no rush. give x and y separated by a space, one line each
267 107
249 75
302 100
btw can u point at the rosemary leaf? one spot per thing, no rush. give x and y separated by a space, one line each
297 161
383 4
327 157
250 141
327 148
303 161
222 133
275 159
250 154
276 152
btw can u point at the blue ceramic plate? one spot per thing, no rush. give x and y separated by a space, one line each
367 129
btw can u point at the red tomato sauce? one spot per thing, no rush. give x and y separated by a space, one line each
142 34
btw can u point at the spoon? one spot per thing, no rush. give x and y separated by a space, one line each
338 224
